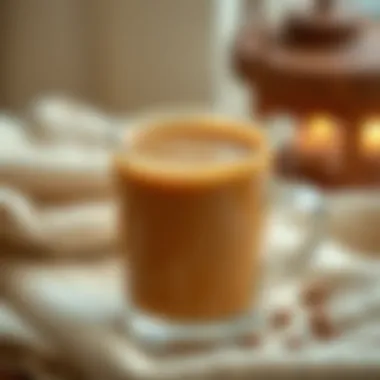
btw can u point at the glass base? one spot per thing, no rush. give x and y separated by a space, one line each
155 333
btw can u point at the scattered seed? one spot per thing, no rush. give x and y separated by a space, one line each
294 343
281 318
251 340
315 295
321 325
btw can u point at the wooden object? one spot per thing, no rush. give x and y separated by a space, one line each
318 62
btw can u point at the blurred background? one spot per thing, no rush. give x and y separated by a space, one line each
124 55
116 58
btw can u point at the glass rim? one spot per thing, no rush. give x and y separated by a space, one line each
204 125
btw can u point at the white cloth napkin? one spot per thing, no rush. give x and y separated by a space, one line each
76 307
55 195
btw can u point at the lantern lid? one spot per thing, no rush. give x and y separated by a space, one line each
324 60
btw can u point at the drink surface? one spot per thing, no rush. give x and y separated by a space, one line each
189 151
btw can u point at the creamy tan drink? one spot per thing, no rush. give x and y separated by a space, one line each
193 191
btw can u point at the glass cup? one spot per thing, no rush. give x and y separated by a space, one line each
195 194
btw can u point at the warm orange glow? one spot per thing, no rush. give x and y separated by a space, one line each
370 139
319 135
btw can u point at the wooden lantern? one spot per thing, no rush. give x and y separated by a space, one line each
323 68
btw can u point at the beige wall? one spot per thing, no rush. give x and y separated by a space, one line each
41 49
121 54
153 52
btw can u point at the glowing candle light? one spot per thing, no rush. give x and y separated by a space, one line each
318 145
370 139
319 136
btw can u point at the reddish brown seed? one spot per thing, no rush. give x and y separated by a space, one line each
187 348
321 325
250 340
294 343
315 294
281 318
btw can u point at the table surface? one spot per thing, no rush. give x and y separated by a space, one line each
74 306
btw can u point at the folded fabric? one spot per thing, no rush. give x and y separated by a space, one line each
56 195
56 178
85 227
48 295
62 151
61 120
57 173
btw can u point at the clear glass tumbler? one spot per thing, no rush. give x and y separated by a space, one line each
194 200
